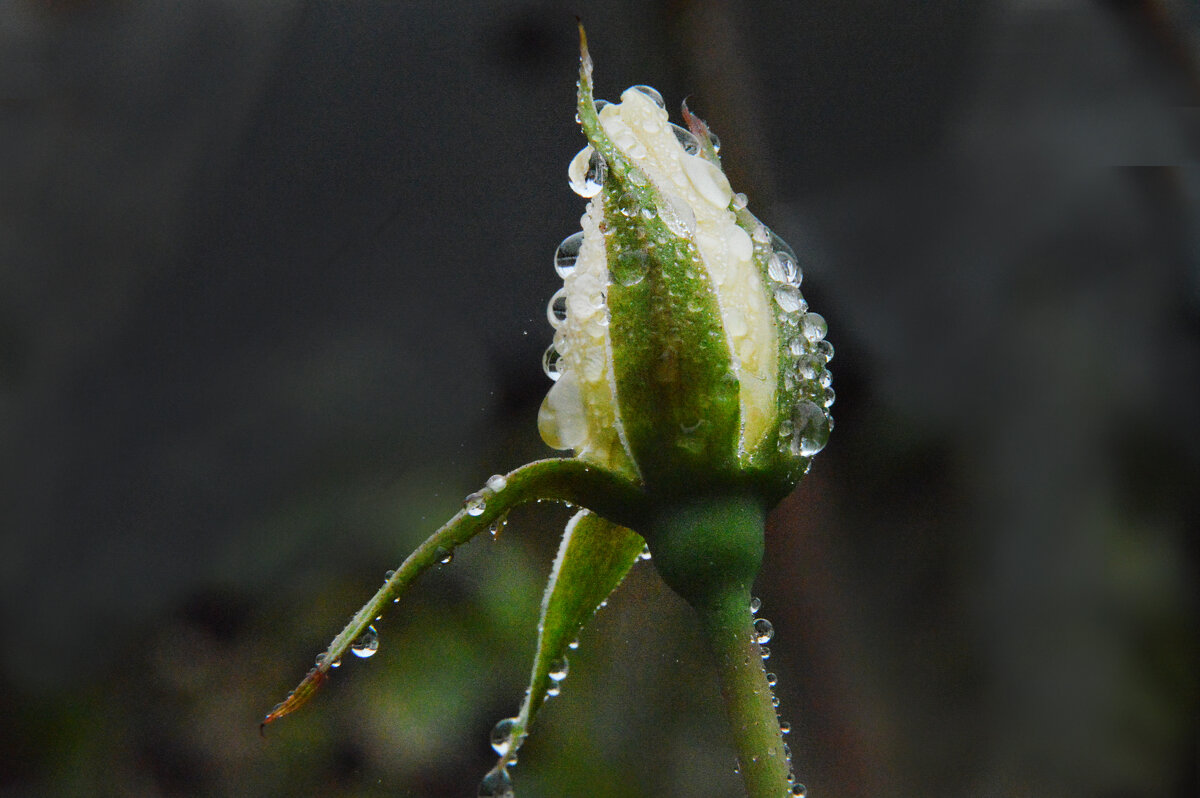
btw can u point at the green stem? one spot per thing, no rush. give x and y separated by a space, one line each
709 550
764 766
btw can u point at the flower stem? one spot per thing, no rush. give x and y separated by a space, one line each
709 550
728 626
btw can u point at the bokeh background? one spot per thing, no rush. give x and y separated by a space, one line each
272 291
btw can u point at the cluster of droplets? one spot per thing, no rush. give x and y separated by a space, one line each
806 425
764 632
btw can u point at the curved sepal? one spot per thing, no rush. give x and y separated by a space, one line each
593 559
564 479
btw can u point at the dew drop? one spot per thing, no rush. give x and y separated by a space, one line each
497 483
812 429
558 669
774 700
825 350
813 327
653 94
552 363
808 367
828 397
788 298
337 663
366 645
645 555
740 201
763 631
497 526
599 104
444 555
799 790
567 254
497 784
388 574
714 141
574 644
766 652
796 347
475 504
586 172
687 139
502 734
755 604
630 267
556 310
553 689
772 679
785 727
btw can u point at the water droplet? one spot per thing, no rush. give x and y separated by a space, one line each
567 254
366 645
444 555
497 483
740 201
788 298
813 327
763 631
755 605
828 398
772 679
785 727
825 350
645 555
337 663
320 660
574 644
600 105
774 700
687 139
497 784
799 790
558 669
556 309
586 172
653 94
388 574
809 366
552 363
497 526
714 141
812 429
502 734
475 504
630 267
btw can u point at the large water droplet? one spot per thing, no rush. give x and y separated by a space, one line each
785 727
502 736
552 363
556 309
812 429
763 631
755 603
497 784
813 327
772 679
687 139
788 298
825 350
782 268
799 790
567 254
586 172
475 504
444 555
366 645
497 483
630 267
558 669
645 555
653 94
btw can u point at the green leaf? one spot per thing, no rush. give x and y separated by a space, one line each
593 558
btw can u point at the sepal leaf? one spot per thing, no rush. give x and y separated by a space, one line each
593 559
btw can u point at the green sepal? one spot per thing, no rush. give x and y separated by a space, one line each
676 392
558 479
593 559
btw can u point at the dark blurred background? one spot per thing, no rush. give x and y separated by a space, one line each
272 291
